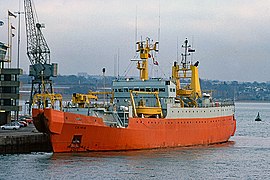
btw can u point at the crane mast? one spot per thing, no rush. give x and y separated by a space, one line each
38 53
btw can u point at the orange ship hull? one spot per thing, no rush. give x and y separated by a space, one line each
74 132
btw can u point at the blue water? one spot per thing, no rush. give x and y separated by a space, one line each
245 156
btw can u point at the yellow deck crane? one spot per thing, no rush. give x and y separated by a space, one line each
189 72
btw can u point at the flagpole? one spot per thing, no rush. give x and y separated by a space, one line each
19 34
8 40
19 40
11 36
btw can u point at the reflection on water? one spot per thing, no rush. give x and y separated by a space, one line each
245 156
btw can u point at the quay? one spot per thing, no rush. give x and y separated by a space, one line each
24 140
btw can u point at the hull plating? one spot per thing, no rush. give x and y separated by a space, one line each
74 132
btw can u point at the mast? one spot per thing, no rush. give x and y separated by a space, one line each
187 71
144 48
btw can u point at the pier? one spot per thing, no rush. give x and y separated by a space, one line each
24 140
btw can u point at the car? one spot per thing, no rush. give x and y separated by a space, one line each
10 126
18 123
24 123
29 120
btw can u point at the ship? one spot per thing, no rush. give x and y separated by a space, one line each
142 113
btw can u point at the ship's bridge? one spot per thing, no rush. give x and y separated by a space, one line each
122 88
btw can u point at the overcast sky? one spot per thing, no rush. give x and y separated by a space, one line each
231 38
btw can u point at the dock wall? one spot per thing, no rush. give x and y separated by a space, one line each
25 143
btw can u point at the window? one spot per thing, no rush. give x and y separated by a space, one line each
161 89
7 77
13 77
142 89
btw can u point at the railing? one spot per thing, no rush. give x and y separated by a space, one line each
218 104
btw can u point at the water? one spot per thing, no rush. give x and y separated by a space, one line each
245 156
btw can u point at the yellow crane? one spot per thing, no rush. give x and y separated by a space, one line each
142 109
188 71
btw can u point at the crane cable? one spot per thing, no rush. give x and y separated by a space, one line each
35 11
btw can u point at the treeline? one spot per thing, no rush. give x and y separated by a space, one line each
241 91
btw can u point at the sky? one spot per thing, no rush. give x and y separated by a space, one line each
231 37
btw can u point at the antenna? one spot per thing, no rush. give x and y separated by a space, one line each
192 41
136 28
118 57
159 22
114 65
177 49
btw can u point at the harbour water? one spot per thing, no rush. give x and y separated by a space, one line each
245 156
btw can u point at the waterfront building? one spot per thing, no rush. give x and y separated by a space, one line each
9 87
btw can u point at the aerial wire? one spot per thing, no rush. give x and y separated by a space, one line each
159 22
118 57
136 28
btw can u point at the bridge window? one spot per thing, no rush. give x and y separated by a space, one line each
142 89
161 89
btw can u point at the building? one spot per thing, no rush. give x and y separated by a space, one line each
9 88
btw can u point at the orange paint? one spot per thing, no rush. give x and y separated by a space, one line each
75 132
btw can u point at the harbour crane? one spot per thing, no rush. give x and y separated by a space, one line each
38 52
